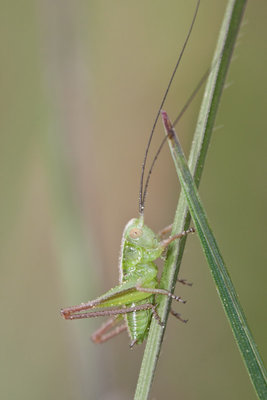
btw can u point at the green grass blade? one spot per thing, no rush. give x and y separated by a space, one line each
214 87
226 290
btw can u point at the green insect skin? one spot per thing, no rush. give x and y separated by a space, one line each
140 247
134 297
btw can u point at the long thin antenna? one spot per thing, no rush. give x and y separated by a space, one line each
193 94
181 113
142 193
151 168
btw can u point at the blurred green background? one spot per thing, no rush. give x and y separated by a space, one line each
80 85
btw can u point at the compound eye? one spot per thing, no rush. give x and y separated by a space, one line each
135 233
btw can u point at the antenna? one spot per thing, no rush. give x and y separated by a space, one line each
177 119
143 191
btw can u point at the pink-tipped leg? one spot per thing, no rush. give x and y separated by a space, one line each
165 243
103 334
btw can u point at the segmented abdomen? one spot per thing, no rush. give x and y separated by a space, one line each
139 321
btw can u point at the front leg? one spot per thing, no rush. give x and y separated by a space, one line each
164 231
165 243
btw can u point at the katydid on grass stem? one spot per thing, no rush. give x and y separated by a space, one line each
133 303
134 297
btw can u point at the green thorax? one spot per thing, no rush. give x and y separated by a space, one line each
140 247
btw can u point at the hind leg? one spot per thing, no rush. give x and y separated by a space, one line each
105 332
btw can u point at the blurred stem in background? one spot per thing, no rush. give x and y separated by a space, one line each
63 77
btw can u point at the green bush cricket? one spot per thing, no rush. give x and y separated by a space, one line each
133 303
134 297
